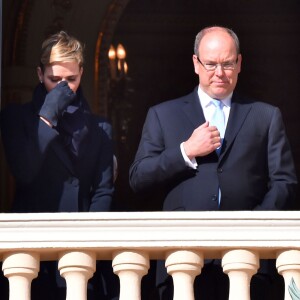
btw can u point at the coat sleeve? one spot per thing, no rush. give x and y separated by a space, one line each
25 139
282 174
156 163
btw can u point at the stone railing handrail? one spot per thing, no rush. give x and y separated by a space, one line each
267 230
182 238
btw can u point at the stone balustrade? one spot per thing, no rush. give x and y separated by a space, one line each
130 240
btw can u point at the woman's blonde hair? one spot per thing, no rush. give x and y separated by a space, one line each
61 47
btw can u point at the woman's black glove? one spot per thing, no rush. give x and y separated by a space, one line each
56 102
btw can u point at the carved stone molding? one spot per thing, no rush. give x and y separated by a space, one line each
14 43
60 9
105 36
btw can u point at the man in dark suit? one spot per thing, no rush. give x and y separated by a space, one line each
185 152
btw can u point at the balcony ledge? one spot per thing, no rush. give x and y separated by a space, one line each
212 232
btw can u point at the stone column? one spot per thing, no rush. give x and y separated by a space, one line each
20 268
288 265
240 265
77 267
184 266
130 266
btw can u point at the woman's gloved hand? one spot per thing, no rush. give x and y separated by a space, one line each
56 102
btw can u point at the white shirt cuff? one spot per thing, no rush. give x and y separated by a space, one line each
192 163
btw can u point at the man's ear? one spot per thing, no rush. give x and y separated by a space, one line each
239 63
196 64
40 74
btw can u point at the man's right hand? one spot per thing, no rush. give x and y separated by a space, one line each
56 102
204 140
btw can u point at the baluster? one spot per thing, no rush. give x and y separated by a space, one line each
130 266
288 265
20 269
184 266
77 268
240 265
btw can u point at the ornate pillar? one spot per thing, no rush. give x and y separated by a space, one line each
130 266
240 265
288 265
20 269
77 267
184 266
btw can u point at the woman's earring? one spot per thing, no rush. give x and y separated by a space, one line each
41 81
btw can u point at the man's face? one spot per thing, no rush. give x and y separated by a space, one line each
217 47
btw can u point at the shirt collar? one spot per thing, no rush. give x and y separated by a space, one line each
205 100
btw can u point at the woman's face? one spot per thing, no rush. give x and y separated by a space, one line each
59 71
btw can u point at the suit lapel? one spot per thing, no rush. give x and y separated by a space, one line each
237 117
193 109
63 155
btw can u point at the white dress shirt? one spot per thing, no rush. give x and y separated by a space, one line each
208 109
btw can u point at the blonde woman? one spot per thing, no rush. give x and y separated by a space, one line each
59 153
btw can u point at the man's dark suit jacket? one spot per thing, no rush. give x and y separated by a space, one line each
255 170
47 179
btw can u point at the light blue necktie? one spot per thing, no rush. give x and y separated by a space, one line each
218 120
